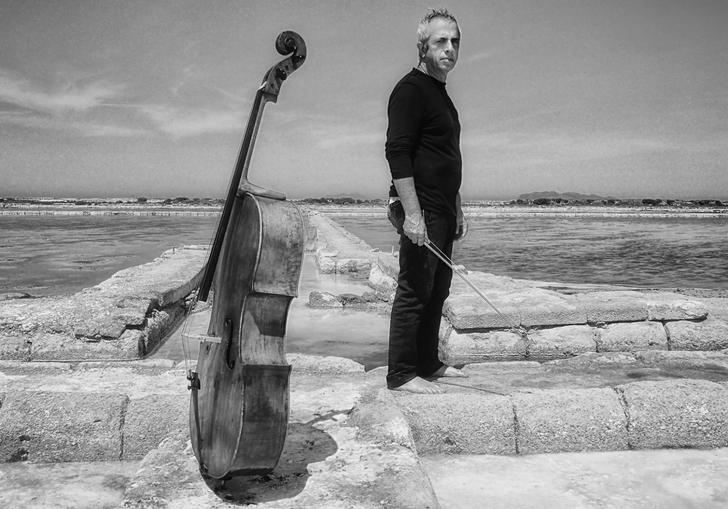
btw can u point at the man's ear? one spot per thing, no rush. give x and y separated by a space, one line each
421 49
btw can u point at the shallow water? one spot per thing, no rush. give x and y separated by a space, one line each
59 254
53 255
648 252
358 335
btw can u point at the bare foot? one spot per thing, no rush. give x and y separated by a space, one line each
448 371
419 386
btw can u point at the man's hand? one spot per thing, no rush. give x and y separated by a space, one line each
462 228
415 229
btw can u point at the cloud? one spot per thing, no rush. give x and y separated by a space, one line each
350 140
483 55
528 149
181 123
23 93
31 120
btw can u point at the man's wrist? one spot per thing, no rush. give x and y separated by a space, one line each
413 219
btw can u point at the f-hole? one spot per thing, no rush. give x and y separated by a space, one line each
227 338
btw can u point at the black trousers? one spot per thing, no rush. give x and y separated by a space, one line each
423 285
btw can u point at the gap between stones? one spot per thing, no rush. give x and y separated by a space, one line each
122 421
516 426
625 408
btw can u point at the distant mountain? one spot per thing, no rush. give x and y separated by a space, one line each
551 195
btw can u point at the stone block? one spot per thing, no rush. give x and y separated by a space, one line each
353 301
380 420
14 347
49 427
631 337
663 306
570 420
388 264
617 306
676 413
167 279
460 423
490 284
101 326
528 307
560 342
538 307
59 347
465 348
710 334
318 299
135 336
132 310
326 261
159 323
468 312
382 283
357 268
150 419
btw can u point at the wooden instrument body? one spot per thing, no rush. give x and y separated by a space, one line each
239 414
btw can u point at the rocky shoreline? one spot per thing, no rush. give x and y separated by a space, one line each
542 207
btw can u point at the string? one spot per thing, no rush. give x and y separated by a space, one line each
186 349
518 328
464 386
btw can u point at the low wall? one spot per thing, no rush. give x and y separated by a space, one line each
124 317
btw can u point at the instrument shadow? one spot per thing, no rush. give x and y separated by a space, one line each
305 444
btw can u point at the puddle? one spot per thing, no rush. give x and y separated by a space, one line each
358 335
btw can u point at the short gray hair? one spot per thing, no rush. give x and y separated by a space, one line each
422 34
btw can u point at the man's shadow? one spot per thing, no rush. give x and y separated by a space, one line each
304 444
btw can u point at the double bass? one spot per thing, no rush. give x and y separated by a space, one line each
239 402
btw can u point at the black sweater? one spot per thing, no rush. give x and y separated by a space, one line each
423 140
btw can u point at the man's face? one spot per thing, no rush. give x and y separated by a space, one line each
442 45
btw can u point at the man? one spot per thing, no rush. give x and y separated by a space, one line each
423 152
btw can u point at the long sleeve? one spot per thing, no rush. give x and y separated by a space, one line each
405 112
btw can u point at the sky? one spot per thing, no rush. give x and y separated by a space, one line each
111 98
